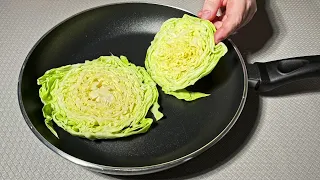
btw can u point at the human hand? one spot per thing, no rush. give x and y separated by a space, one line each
234 15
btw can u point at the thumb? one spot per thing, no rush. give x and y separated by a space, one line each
210 9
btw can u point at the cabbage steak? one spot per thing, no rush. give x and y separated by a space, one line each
181 53
105 98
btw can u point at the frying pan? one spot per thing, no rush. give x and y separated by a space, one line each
188 129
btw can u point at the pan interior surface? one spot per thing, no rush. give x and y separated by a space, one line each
128 29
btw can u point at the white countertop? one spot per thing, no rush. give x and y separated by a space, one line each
277 136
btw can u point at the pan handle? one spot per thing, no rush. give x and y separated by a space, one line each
270 75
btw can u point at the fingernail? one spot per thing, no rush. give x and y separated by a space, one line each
206 14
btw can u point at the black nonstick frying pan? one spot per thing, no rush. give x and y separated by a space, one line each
189 128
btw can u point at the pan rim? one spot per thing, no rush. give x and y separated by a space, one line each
129 170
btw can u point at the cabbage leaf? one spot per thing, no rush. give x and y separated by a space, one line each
105 98
181 53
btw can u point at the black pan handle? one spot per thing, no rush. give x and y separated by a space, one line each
270 75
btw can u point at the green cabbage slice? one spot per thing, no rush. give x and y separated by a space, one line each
105 98
181 53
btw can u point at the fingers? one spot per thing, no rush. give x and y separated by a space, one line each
210 9
231 21
226 28
238 13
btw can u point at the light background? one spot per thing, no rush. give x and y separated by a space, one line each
277 137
